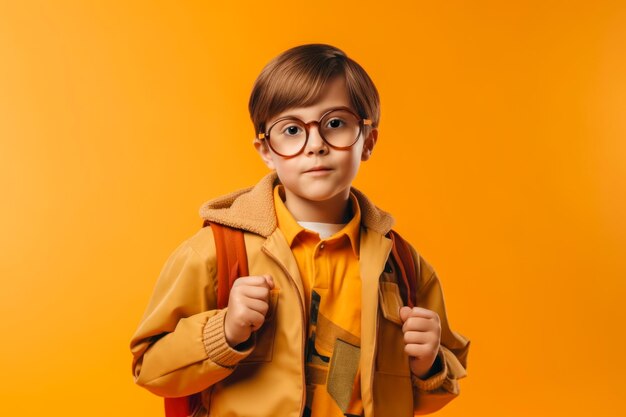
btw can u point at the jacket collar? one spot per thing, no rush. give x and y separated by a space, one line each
252 209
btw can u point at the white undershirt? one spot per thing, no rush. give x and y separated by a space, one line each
323 229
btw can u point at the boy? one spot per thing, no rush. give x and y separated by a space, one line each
318 327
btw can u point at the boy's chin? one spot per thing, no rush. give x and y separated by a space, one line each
320 195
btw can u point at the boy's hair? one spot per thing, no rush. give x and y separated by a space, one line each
296 78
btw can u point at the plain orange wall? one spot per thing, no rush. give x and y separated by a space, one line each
502 153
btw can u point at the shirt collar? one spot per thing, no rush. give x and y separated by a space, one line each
291 229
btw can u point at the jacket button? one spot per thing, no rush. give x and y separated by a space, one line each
321 246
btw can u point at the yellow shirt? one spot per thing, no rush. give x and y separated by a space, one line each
332 288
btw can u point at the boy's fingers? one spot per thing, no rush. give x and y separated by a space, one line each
256 292
256 281
417 312
405 313
253 280
269 280
418 324
419 351
260 306
252 319
256 320
420 338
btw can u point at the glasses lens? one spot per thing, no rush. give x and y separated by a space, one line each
287 136
340 128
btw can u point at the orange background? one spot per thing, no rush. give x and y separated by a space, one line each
502 152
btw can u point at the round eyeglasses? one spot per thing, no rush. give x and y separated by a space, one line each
339 128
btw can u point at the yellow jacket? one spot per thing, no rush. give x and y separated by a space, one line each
179 347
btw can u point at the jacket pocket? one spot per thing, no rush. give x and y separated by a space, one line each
264 343
390 301
391 358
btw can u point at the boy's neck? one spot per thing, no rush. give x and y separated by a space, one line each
335 210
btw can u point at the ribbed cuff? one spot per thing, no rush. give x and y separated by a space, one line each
435 381
217 348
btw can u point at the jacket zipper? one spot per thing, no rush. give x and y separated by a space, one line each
303 321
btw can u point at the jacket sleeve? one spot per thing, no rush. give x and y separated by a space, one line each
435 392
179 347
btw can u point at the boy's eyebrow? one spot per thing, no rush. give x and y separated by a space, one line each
318 117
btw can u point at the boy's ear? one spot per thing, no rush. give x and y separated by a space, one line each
368 145
265 153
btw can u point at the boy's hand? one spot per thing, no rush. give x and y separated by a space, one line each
422 335
248 304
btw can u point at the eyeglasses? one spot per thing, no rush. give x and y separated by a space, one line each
339 128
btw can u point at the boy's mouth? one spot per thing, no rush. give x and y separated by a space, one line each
317 170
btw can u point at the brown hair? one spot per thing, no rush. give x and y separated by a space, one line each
297 78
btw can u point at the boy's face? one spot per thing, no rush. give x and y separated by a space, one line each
319 173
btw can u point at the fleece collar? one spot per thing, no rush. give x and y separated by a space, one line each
252 209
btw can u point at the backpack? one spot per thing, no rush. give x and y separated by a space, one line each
232 263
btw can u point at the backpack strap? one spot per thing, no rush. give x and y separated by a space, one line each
182 406
232 263
232 260
401 254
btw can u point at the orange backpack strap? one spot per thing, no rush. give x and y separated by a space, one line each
232 263
232 260
401 253
181 406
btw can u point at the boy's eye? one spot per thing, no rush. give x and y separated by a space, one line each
335 123
292 130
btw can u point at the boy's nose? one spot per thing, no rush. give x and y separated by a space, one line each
315 144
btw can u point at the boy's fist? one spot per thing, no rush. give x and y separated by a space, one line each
422 334
248 304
